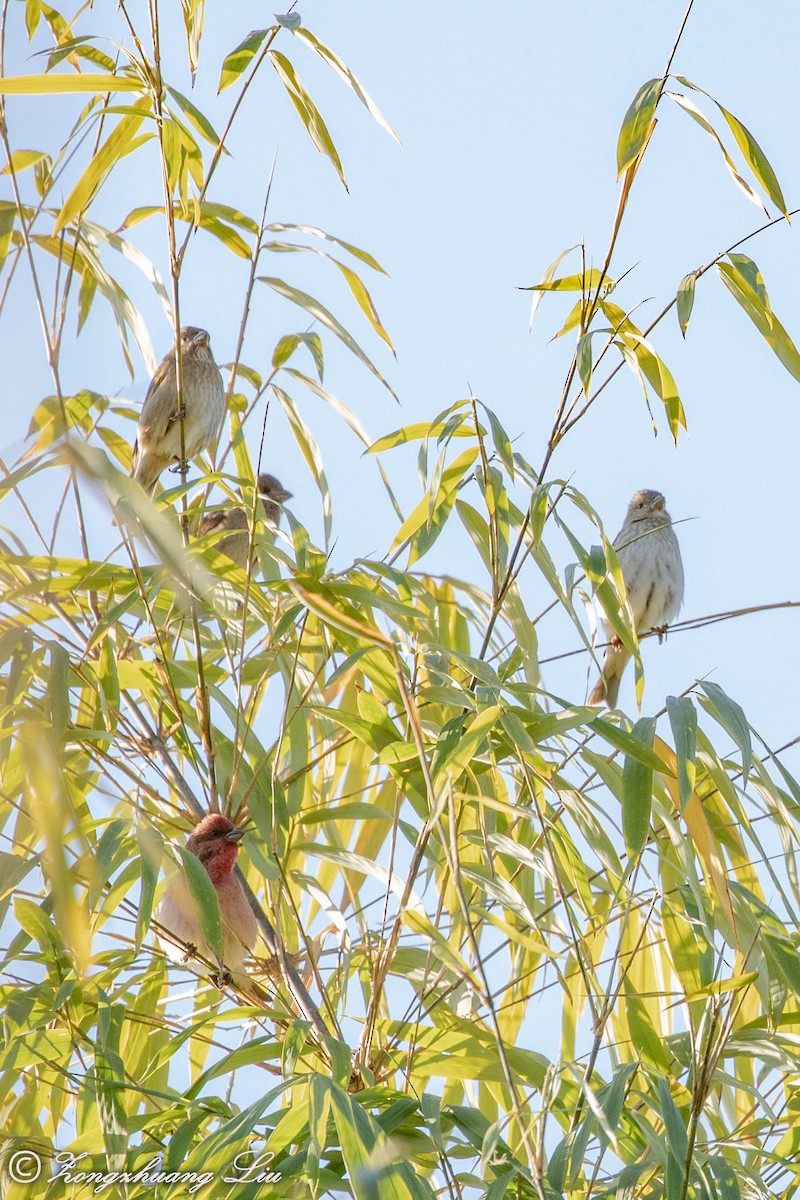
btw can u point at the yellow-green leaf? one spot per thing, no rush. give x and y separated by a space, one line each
48 85
307 110
636 123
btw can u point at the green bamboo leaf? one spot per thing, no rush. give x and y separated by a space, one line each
203 896
686 300
13 869
229 237
677 1143
642 356
326 318
7 221
230 215
443 500
756 159
33 15
694 112
743 280
121 142
239 59
307 110
637 790
193 12
80 47
197 118
637 123
365 302
86 295
344 73
583 356
311 453
730 716
470 737
151 851
48 85
313 343
356 285
586 281
753 154
143 264
632 746
22 159
547 278
683 719
111 1085
356 251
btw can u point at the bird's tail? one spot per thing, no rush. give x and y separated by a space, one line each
145 469
606 690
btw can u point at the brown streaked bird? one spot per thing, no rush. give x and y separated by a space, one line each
215 841
158 436
232 526
650 559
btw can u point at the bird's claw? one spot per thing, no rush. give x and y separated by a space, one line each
660 631
223 977
180 468
616 642
189 953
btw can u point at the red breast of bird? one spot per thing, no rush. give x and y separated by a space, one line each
215 841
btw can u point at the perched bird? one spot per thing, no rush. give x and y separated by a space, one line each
233 523
158 437
215 842
650 558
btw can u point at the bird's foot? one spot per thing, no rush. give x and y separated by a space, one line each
616 642
180 468
660 631
189 953
223 977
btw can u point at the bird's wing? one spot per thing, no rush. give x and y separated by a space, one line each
160 407
210 522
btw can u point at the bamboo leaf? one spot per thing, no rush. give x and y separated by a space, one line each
203 897
637 124
637 790
683 719
307 110
121 142
743 280
730 716
239 59
686 300
48 85
326 318
344 73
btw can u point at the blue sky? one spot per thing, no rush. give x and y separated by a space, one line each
509 118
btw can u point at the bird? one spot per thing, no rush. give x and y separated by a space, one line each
650 560
158 436
215 841
233 521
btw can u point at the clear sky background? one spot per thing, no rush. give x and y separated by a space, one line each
509 116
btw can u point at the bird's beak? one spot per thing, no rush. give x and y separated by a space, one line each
235 835
200 339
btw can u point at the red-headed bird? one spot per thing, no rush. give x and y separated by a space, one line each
215 841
